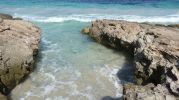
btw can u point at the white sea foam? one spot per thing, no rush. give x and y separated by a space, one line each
48 89
91 17
111 73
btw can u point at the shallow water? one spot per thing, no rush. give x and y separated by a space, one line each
70 65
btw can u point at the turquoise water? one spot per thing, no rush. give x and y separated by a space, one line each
70 65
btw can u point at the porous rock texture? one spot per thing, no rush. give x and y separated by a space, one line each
147 92
19 43
156 54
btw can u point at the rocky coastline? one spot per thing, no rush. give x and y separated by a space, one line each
156 56
19 44
155 49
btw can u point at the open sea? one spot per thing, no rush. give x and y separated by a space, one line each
70 65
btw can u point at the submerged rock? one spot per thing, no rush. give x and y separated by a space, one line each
155 49
17 18
5 16
174 25
86 30
19 43
1 20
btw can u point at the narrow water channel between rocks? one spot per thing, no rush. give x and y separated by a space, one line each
71 66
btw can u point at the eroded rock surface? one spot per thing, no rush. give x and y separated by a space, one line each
19 43
148 92
155 49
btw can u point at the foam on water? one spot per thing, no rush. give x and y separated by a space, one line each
174 18
72 82
111 74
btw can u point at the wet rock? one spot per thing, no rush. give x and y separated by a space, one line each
1 20
19 43
3 97
174 25
86 30
17 18
5 16
155 49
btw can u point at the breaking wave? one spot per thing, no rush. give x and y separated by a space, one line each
92 17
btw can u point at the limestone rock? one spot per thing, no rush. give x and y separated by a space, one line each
148 92
117 34
155 49
19 43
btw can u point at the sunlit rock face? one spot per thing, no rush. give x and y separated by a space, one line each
19 43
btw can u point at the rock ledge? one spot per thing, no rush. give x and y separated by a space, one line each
156 55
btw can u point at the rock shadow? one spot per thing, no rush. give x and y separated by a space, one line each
110 98
125 74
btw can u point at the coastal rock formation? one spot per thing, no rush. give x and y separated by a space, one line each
148 92
5 16
155 49
19 43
